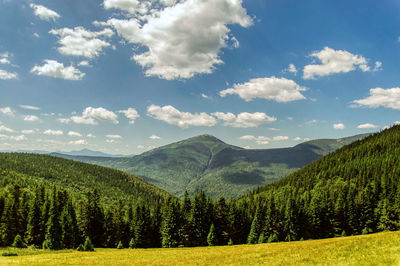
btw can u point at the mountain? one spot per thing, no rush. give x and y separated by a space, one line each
30 170
207 163
354 190
87 152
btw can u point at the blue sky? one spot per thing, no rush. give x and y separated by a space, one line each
124 76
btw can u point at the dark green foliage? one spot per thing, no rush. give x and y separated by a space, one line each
34 228
88 246
9 254
230 242
54 232
351 191
212 236
18 242
120 245
132 243
171 225
257 226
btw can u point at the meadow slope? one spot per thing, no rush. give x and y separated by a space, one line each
373 249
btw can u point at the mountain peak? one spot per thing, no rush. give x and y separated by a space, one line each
206 137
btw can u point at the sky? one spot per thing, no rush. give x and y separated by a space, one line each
126 76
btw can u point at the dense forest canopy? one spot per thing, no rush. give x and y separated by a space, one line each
355 190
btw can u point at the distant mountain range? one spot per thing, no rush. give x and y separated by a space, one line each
83 152
207 163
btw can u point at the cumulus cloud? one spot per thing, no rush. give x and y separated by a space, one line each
7 75
276 89
291 69
335 61
78 142
54 69
29 107
84 63
154 137
44 13
5 129
31 118
367 126
262 140
14 138
81 42
205 96
378 97
7 111
113 136
90 135
53 132
91 115
131 114
338 126
29 131
64 120
74 134
181 40
244 120
280 138
173 116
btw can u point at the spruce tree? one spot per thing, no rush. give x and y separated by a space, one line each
170 229
257 226
34 227
221 222
54 230
212 236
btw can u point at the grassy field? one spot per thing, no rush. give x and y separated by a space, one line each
374 249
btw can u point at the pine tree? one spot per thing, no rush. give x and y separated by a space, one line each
132 243
54 230
170 229
10 220
18 242
34 227
221 222
186 233
88 245
142 227
120 245
212 236
257 226
200 220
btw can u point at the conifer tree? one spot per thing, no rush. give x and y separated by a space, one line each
221 222
171 226
212 236
54 231
34 227
257 226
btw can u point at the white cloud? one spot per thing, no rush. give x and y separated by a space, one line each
4 60
182 40
84 63
36 35
44 13
81 42
7 111
90 116
244 120
113 136
29 131
378 97
397 123
53 132
140 147
64 120
173 116
367 126
90 135
54 69
74 134
31 118
131 114
338 126
14 138
291 69
154 137
5 129
297 139
378 66
280 138
205 96
276 89
111 140
78 142
29 107
290 118
7 75
273 129
335 61
261 140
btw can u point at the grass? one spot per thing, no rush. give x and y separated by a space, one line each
374 249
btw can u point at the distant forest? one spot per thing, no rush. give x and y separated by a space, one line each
355 190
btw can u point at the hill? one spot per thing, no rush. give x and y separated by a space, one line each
30 170
374 249
207 163
354 190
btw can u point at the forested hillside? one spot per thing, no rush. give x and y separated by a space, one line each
207 163
355 190
31 170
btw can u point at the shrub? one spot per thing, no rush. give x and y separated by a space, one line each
9 254
230 242
272 238
120 246
132 243
45 245
18 243
88 246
